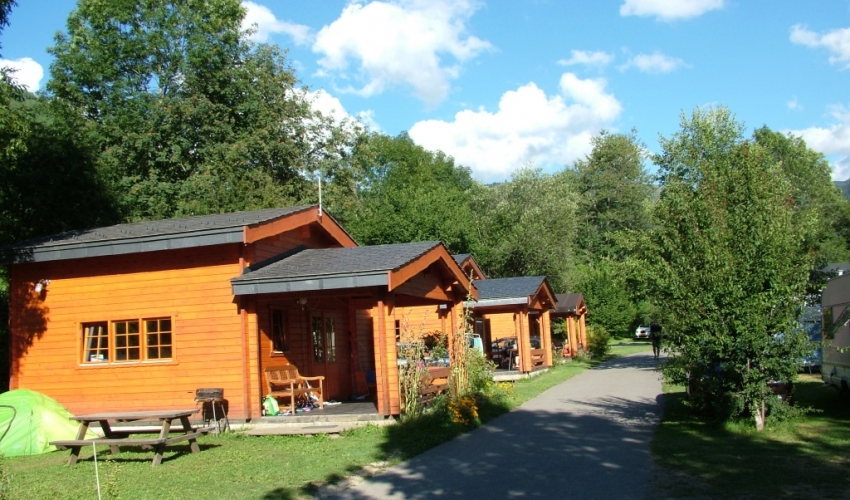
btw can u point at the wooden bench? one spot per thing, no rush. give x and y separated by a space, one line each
286 382
538 357
435 382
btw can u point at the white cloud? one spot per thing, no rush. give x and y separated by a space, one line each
794 104
267 23
654 63
27 72
669 10
833 140
399 43
836 41
529 126
596 58
330 106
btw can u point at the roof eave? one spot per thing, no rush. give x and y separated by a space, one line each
242 286
80 250
507 301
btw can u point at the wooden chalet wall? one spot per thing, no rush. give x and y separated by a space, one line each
216 337
190 286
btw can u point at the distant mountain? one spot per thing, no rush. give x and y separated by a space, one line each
844 186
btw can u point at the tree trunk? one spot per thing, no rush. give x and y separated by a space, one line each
760 413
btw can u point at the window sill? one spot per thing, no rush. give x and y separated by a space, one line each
124 364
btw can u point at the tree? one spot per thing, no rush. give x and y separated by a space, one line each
728 261
613 193
814 192
406 193
190 117
526 227
606 294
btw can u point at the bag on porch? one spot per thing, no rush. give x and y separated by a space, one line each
270 406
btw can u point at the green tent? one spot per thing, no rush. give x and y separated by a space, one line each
30 420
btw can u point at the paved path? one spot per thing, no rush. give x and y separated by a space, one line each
586 438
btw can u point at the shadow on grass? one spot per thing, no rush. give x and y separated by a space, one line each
600 451
138 454
804 458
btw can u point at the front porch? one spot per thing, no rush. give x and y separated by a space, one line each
332 419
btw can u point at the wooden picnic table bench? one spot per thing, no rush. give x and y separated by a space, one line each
115 439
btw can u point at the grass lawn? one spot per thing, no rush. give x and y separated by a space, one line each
622 347
238 466
804 458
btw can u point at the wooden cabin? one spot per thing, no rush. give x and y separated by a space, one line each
516 308
571 307
138 316
433 321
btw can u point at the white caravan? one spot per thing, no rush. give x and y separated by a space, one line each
836 334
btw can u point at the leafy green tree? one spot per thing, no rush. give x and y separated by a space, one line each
606 294
810 176
729 260
613 190
525 227
190 117
406 193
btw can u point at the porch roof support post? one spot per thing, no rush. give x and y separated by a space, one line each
381 361
546 337
521 339
571 335
582 328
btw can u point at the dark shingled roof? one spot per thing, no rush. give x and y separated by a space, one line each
151 235
567 302
503 288
324 261
459 258
327 268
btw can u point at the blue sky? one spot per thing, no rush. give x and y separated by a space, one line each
503 84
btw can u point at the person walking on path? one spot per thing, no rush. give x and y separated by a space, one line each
587 438
655 338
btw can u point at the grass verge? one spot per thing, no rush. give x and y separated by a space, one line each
802 458
246 467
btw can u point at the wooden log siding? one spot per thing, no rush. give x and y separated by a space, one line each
311 236
190 286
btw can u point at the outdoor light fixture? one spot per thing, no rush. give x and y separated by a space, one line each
40 285
302 301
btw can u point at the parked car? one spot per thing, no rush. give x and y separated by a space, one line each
642 332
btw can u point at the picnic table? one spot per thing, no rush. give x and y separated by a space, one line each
116 438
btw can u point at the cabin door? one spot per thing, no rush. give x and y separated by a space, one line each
328 344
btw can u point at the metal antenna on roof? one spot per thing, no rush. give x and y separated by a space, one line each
320 195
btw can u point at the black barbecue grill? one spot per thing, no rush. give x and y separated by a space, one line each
212 397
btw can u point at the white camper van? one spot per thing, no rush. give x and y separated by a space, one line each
836 334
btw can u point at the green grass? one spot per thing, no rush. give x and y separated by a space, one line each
622 347
237 466
803 458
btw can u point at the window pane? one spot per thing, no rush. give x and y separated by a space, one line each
133 353
95 343
126 333
330 333
158 338
318 342
278 331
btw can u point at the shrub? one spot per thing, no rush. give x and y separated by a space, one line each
480 371
597 341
